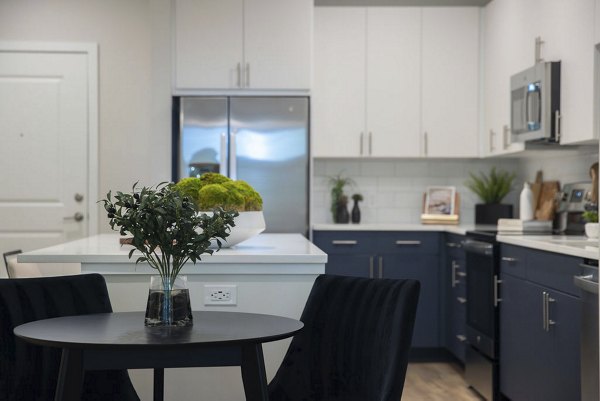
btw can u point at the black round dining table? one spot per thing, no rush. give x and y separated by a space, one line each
121 341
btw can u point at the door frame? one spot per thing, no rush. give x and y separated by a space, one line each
90 50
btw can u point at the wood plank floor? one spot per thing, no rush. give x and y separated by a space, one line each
436 382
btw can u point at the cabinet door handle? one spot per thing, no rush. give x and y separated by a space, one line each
461 274
370 266
370 143
408 242
557 119
453 245
461 338
496 284
454 280
239 75
247 83
461 300
425 143
344 242
509 260
381 267
546 311
362 140
491 139
505 137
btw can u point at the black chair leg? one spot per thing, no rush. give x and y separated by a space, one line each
70 376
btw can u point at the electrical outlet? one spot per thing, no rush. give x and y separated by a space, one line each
222 294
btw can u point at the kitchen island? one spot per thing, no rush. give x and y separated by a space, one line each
270 273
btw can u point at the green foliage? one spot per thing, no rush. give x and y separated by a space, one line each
215 190
252 199
337 182
491 188
217 195
189 187
591 216
165 226
357 197
213 178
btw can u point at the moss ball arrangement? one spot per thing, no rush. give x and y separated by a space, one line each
213 190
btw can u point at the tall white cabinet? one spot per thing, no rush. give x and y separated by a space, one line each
567 31
242 44
395 82
450 82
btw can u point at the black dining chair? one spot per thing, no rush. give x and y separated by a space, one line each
355 342
30 372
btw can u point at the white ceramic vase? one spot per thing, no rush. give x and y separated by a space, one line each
247 225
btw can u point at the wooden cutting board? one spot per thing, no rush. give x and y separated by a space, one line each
546 203
536 189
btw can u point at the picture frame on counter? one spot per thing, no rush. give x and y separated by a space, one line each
440 200
441 205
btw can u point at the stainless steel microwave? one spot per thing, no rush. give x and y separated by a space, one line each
535 103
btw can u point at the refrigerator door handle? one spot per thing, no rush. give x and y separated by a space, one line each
223 161
233 156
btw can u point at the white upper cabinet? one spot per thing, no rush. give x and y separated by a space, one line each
597 22
393 82
450 95
338 95
374 68
242 44
567 31
504 53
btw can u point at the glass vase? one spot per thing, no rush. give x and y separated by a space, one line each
168 303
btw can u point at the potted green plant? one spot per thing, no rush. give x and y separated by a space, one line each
339 201
214 190
491 190
168 232
591 226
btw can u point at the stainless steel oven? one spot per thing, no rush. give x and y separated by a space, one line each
482 267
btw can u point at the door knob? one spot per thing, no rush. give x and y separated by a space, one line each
77 217
78 197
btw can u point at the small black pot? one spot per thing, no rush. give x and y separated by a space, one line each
490 213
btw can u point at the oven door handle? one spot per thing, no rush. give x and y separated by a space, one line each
483 248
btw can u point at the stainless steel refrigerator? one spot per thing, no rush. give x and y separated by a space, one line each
261 140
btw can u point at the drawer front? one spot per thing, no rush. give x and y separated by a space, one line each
454 246
554 270
345 241
513 260
405 242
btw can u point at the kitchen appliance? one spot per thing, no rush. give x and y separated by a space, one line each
535 103
482 267
588 282
571 205
261 140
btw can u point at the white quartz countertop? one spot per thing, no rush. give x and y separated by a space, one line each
262 249
454 229
573 245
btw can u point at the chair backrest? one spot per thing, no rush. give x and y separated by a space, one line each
9 257
16 269
29 372
355 342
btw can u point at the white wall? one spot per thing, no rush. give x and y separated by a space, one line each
393 189
134 83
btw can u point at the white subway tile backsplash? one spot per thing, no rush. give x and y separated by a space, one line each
393 189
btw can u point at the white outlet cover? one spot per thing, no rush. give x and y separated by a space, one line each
220 294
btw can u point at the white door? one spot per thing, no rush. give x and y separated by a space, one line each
451 81
46 117
393 81
338 95
209 44
277 43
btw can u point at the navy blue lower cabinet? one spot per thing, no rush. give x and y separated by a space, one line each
455 298
424 268
349 264
539 342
